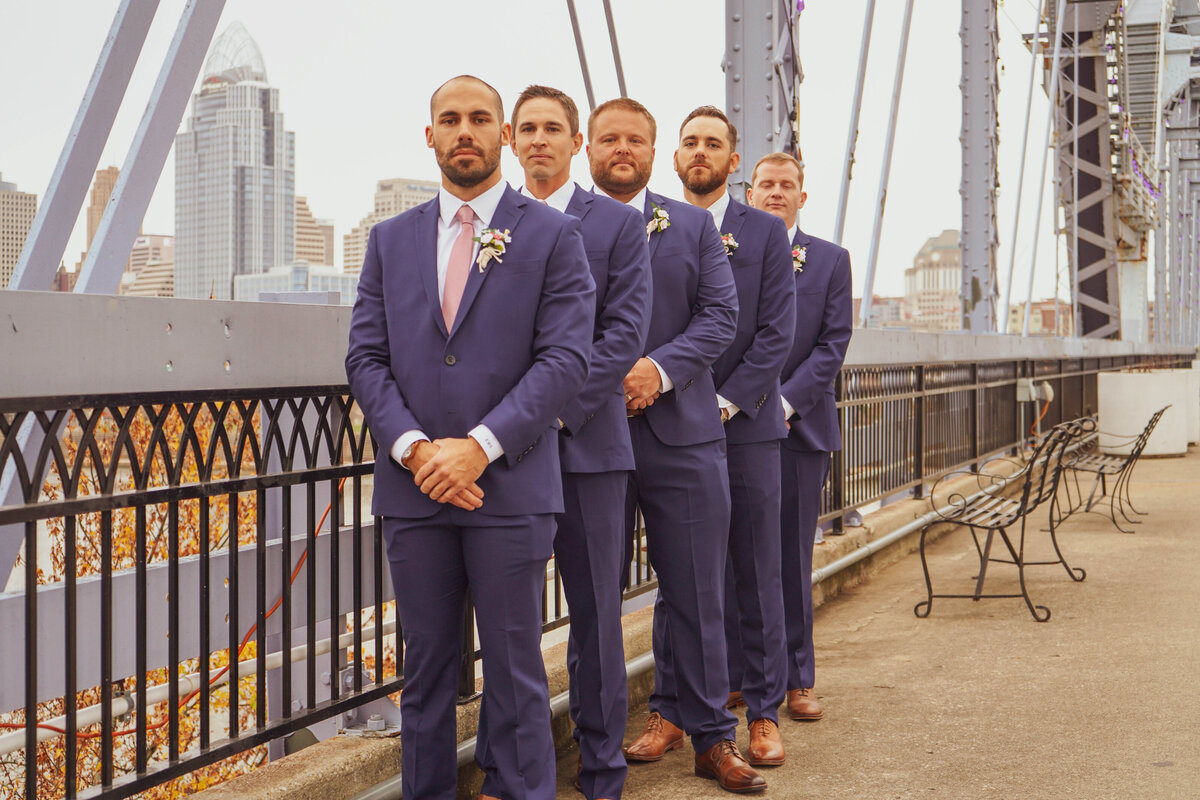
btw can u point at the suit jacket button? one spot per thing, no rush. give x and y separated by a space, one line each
451 360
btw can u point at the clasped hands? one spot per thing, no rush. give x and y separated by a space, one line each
642 386
447 471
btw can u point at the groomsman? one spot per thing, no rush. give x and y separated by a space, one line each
747 380
680 481
823 326
594 444
471 333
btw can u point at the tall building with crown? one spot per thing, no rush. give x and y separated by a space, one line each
235 175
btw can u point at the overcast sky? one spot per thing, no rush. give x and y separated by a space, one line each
355 77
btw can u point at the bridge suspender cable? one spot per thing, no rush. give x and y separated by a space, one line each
872 259
1041 184
855 109
1012 255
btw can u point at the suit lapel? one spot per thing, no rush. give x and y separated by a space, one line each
801 239
508 214
651 201
581 203
735 217
426 238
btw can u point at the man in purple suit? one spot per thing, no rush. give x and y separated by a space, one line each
594 445
747 380
680 480
823 326
462 358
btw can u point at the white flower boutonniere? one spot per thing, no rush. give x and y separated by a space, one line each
660 220
730 243
799 256
492 244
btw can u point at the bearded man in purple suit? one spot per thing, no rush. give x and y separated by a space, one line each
680 481
823 326
471 333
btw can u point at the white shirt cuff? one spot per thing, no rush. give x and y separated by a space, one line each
667 383
788 411
488 441
406 439
723 403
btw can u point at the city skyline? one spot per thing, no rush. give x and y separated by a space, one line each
358 102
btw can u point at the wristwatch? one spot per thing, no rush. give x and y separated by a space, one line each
408 451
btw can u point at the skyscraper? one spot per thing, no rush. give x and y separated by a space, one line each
102 189
314 237
391 197
235 175
17 210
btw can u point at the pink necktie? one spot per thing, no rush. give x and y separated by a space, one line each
459 267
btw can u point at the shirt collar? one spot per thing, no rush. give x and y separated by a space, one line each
484 205
560 198
719 208
792 231
637 202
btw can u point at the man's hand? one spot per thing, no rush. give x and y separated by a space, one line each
642 385
447 471
786 424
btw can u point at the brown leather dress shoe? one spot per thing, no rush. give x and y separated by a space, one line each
802 705
659 738
766 744
735 701
723 763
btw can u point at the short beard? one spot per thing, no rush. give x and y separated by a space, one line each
468 178
701 187
605 180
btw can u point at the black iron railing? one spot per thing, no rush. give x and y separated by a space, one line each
202 575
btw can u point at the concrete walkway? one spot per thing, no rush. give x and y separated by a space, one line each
980 701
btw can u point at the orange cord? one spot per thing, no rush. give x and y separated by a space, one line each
245 641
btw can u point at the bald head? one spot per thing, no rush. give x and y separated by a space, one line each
464 80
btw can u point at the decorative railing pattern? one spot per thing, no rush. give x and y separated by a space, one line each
201 575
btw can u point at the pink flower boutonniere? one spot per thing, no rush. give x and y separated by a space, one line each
492 244
799 256
730 243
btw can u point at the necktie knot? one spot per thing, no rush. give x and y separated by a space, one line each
465 215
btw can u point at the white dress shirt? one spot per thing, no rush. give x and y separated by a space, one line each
559 200
448 229
788 410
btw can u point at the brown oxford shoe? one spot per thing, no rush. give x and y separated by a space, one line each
659 738
487 797
735 701
766 744
723 763
802 705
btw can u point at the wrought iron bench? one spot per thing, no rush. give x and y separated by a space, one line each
988 514
1089 459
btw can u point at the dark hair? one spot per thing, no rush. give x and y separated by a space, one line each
548 93
485 84
779 158
624 104
715 113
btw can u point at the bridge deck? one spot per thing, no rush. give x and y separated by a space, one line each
979 700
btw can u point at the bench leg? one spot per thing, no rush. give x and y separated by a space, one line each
1076 573
1033 609
928 601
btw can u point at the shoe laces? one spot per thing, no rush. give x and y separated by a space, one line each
728 748
807 692
654 722
761 727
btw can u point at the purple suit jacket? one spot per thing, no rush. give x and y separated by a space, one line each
823 323
693 321
517 355
747 374
595 435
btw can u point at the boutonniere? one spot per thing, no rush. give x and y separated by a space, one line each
492 244
730 243
799 256
660 220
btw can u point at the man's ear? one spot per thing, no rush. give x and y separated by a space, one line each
505 133
577 143
429 136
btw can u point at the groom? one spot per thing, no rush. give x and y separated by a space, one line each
471 333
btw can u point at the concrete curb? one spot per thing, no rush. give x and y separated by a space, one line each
341 767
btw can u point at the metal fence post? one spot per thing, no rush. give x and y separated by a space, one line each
919 434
